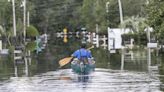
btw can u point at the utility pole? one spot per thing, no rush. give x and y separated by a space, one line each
107 11
14 19
28 18
120 9
24 20
121 21
14 29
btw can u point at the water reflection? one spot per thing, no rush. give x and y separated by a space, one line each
69 75
130 60
83 78
15 70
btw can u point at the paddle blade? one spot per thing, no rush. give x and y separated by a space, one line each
65 61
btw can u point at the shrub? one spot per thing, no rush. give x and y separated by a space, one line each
31 46
32 31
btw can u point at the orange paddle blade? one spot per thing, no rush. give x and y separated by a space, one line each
65 61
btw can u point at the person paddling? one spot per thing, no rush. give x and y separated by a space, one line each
82 54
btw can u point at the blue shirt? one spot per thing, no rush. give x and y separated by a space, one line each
82 53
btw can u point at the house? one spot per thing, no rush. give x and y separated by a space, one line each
114 37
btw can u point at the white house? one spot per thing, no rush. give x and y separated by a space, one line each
114 37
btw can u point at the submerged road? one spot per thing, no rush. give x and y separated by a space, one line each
102 80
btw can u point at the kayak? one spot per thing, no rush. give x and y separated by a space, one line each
80 67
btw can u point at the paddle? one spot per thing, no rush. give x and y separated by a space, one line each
66 60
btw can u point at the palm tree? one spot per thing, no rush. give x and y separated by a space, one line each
6 34
136 25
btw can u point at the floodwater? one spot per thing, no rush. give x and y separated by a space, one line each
129 72
102 80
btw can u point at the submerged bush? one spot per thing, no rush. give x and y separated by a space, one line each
31 46
32 31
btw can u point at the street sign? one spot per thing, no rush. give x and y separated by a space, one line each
152 45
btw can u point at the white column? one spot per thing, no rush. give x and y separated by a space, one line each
108 38
97 36
0 44
97 40
149 49
104 42
148 34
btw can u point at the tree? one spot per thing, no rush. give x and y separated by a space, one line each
137 26
155 15
32 31
133 8
94 12
53 15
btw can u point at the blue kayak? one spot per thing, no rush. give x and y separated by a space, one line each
80 67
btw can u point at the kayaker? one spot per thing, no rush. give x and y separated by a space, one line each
82 54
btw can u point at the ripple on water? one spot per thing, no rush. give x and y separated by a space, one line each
102 80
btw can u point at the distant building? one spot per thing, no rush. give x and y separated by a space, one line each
114 37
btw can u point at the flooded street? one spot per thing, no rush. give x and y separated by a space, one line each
114 72
81 46
102 80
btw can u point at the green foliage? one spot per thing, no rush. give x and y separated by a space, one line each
11 49
19 27
133 8
92 13
136 24
1 30
31 46
140 38
113 16
32 31
5 14
155 12
53 15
